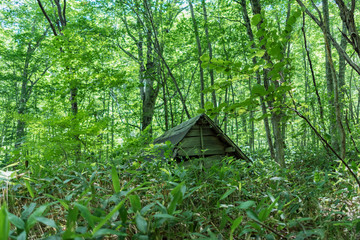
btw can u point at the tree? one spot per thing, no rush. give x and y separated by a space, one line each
29 63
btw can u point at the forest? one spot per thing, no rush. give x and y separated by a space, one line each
87 87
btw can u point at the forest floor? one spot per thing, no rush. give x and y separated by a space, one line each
165 200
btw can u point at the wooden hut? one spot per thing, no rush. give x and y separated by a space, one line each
200 137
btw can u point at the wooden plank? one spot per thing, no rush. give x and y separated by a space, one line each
212 140
202 141
196 132
203 127
229 149
209 141
191 152
188 142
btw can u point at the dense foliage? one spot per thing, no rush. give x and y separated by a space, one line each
85 86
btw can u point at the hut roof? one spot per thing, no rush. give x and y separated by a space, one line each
176 134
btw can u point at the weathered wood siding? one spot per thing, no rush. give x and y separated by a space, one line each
193 146
200 137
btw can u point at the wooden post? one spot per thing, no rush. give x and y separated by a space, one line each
201 141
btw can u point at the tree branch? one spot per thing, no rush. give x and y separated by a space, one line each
47 17
64 12
62 21
128 30
128 53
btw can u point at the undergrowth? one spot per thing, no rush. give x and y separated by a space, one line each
133 198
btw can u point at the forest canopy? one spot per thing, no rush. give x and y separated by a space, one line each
86 86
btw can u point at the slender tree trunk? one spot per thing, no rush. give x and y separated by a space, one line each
149 93
165 97
21 124
358 108
61 23
211 71
112 123
351 103
258 79
226 114
304 142
336 102
275 116
196 32
321 109
158 50
252 127
342 68
329 80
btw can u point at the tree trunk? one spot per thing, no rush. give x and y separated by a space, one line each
211 71
149 93
330 83
258 79
275 116
196 32
321 109
342 68
61 23
336 102
165 97
158 50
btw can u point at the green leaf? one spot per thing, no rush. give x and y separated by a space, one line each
235 224
262 214
105 231
32 218
135 203
177 195
29 188
270 208
260 33
22 236
227 193
86 214
115 179
192 190
62 202
18 222
47 221
283 89
164 216
205 57
276 51
269 237
141 223
71 223
246 205
123 214
4 222
200 110
108 217
115 209
224 220
256 19
147 208
258 90
291 20
260 53
251 214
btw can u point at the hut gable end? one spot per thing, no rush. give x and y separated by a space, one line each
200 137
